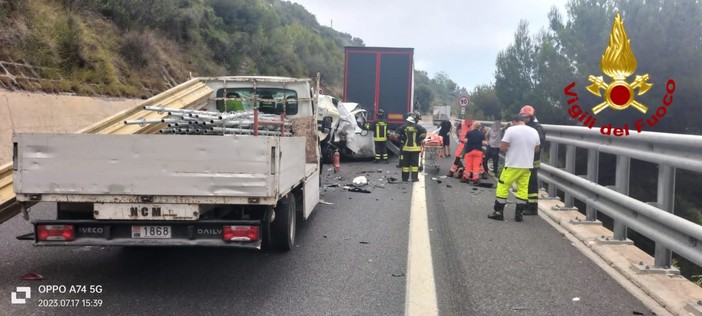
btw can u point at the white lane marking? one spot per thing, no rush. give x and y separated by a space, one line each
420 296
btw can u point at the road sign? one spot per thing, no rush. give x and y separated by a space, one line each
463 101
463 111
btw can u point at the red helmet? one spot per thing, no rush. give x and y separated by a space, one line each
527 110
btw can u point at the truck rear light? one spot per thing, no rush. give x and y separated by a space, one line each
240 233
56 232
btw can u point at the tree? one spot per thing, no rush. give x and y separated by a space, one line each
514 77
485 99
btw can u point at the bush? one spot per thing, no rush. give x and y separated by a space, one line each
138 47
71 45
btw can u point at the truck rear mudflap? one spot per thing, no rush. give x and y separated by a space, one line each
215 233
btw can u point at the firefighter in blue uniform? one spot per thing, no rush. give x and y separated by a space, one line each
380 137
411 135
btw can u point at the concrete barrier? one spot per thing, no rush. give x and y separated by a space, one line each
40 112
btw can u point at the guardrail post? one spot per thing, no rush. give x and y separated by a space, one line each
593 164
621 183
570 168
553 161
666 202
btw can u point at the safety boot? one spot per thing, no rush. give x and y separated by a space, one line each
518 212
531 209
498 212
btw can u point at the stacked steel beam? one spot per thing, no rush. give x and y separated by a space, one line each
193 122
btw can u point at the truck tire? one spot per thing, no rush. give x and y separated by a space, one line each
283 227
266 240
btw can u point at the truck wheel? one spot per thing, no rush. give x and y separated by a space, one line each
284 224
266 240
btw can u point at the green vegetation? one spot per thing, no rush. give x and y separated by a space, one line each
665 37
141 47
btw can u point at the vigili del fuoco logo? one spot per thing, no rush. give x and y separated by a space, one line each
618 63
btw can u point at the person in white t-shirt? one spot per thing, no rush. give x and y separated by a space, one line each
519 144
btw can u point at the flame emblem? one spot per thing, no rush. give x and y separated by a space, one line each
618 62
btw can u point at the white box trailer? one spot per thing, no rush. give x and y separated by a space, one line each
172 190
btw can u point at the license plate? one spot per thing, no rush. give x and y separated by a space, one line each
151 231
126 211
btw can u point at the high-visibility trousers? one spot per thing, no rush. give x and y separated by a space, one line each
507 177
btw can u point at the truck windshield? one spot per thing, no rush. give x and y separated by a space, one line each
270 100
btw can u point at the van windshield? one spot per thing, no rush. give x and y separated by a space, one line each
270 100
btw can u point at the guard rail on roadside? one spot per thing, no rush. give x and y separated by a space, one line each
653 219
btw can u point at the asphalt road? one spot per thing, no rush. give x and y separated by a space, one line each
487 267
351 258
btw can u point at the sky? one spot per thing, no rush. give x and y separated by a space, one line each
459 37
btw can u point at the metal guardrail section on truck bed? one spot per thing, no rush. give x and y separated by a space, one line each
188 94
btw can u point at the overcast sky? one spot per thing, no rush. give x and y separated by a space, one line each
459 37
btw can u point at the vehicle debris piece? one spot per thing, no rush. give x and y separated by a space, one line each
32 277
358 190
360 181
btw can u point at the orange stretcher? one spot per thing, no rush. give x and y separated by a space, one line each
433 151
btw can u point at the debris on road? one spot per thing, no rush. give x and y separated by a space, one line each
32 277
358 190
392 180
398 275
363 242
325 202
576 299
449 186
360 181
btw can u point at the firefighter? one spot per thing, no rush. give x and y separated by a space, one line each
411 135
528 113
380 137
519 144
416 117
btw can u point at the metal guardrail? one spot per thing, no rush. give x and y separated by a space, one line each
654 220
190 93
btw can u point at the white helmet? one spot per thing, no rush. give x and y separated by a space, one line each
411 120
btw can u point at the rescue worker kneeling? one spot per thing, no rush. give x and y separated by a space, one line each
411 135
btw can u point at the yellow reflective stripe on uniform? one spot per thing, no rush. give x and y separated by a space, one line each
381 131
533 197
411 140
